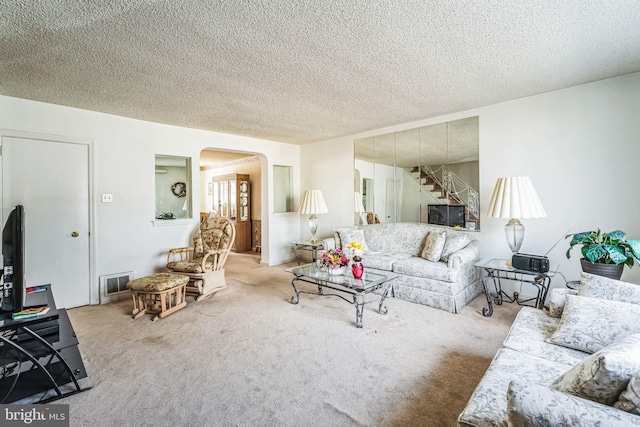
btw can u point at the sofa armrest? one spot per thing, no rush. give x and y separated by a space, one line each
535 405
557 300
465 255
328 243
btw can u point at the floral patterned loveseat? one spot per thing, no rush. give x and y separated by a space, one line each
576 365
434 264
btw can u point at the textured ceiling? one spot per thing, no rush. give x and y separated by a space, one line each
300 71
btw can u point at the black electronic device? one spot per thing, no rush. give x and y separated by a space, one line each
537 263
450 215
13 262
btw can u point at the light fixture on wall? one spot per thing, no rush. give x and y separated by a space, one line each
312 204
514 198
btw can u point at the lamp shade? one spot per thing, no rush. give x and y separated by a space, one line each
313 203
358 207
515 197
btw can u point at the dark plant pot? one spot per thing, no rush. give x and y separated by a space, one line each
612 271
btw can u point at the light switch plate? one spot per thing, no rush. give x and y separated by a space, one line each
107 198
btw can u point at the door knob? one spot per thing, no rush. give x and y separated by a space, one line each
75 234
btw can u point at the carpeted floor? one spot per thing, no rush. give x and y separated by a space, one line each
248 357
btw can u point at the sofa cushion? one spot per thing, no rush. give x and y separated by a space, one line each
420 267
595 286
537 405
454 242
629 399
158 282
382 260
433 245
529 332
590 324
488 403
602 376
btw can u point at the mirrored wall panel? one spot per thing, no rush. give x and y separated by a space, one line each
428 174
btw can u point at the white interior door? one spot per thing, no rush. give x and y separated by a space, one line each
391 193
51 180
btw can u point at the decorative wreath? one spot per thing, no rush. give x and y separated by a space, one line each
179 189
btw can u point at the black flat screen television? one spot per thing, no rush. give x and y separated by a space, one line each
449 215
13 262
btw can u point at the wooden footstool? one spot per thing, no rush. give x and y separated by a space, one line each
160 294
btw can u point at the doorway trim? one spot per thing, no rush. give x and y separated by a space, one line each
90 143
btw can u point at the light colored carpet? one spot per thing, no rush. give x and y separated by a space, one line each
248 357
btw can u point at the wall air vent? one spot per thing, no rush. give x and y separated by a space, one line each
113 287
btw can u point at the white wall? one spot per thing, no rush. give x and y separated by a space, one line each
124 157
580 146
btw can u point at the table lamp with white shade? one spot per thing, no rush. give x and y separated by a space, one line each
312 204
515 198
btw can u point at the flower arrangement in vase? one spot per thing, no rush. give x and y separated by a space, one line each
335 260
356 249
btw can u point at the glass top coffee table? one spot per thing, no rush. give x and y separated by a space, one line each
345 284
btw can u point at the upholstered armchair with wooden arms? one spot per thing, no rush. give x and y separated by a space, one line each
204 261
373 218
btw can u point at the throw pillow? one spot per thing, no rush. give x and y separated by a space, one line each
602 376
534 405
590 324
433 245
455 242
336 236
629 400
352 235
601 287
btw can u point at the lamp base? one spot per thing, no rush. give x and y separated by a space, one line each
313 227
514 232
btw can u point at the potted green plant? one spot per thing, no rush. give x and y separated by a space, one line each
605 254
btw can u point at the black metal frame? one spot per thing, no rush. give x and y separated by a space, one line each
67 376
540 281
358 294
309 247
37 355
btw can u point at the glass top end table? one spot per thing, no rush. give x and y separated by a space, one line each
306 245
498 269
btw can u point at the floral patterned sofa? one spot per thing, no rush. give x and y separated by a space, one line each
434 264
576 365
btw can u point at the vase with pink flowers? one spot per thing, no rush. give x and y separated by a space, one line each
357 269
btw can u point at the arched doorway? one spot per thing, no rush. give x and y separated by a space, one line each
217 163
